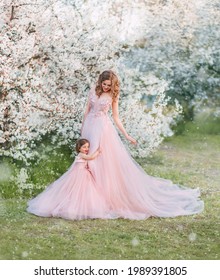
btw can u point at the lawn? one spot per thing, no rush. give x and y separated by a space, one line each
190 159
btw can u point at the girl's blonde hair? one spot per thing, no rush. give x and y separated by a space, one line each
111 76
80 143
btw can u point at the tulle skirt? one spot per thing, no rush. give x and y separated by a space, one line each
73 196
114 185
129 191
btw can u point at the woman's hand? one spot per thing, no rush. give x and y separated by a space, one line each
132 140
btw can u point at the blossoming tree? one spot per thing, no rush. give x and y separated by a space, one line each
52 52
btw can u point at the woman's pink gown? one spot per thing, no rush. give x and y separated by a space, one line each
130 192
73 196
112 185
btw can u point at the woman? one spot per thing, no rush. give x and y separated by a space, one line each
129 191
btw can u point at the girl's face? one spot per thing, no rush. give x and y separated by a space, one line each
106 85
84 149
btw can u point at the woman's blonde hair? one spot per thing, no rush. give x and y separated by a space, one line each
111 76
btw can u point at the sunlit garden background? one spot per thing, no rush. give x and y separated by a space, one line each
167 56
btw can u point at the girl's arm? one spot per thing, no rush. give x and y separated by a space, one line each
92 156
119 123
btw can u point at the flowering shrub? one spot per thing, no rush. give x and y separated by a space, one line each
179 43
52 52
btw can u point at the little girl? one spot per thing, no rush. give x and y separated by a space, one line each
74 195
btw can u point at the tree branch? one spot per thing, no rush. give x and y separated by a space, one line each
12 13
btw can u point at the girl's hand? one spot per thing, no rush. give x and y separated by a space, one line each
98 151
132 140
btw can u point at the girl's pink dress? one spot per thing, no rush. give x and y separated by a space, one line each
127 189
73 196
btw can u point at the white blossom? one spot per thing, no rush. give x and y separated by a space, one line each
192 236
134 242
52 52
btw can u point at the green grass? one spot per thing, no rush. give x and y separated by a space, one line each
190 159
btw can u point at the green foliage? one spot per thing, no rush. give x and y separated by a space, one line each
53 163
50 167
203 124
9 169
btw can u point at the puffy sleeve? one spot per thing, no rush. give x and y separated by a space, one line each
79 159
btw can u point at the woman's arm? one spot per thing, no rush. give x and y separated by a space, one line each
85 114
92 156
118 122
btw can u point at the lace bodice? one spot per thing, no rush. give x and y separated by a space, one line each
99 106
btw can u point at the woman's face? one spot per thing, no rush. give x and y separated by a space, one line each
106 85
84 149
